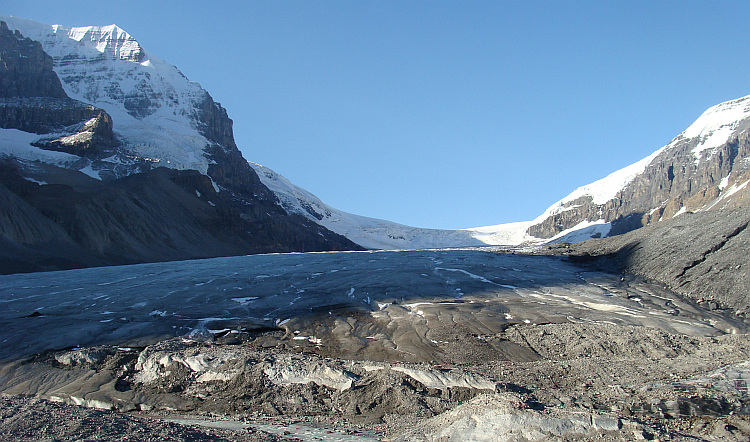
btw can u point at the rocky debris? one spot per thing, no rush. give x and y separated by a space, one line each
602 392
286 371
192 377
506 417
570 341
33 419
445 380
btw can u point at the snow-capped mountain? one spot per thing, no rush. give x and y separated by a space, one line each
160 118
108 155
706 167
158 113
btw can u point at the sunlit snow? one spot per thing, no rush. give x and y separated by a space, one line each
716 125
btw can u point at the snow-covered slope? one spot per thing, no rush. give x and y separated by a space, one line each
153 106
717 125
711 130
375 233
368 232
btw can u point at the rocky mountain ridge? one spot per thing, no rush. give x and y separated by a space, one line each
170 121
706 167
32 99
26 68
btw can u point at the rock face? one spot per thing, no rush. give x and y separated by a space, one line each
26 70
92 138
158 215
707 167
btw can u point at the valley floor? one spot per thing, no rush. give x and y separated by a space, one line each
419 345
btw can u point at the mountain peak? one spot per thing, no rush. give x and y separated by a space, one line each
112 41
156 109
717 124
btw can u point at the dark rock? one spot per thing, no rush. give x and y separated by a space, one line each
25 69
158 215
92 139
42 115
700 255
32 100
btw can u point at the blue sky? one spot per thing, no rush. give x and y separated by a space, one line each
444 114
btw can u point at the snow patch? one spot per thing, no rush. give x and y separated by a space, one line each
583 231
16 143
724 182
289 372
444 381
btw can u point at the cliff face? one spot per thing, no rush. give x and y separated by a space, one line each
705 168
43 115
228 168
159 215
25 69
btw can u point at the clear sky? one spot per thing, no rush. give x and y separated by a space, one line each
444 114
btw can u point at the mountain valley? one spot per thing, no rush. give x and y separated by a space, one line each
178 291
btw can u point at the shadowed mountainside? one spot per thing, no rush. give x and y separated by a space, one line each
159 215
699 255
